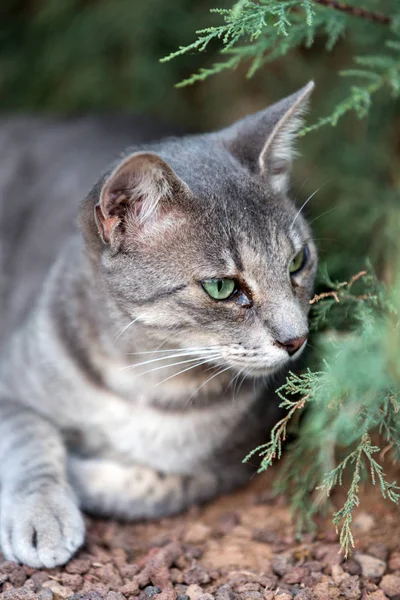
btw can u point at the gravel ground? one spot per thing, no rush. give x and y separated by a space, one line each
240 547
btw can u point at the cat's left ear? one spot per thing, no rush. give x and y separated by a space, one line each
264 142
141 197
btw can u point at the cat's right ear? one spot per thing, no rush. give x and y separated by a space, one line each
141 197
264 142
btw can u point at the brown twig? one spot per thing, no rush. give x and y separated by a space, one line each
356 11
335 295
319 297
357 276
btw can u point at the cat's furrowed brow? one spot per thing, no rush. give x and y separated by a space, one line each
162 293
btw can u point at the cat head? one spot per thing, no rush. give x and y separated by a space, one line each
197 239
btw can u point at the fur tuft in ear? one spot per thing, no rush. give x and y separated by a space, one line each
264 142
277 155
140 191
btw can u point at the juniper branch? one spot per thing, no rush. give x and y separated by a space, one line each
356 11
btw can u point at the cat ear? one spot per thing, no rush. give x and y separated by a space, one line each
264 142
138 194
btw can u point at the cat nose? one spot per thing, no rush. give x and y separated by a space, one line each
293 345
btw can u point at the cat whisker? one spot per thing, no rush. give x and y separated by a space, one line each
303 205
169 356
172 350
182 362
129 325
324 213
232 381
219 372
238 385
203 362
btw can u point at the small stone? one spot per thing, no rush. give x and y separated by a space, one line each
73 581
251 586
378 550
30 585
91 585
225 592
19 594
350 588
338 574
130 588
78 565
59 591
45 594
378 595
314 566
394 561
283 596
120 556
152 590
196 574
390 584
352 567
371 567
176 575
251 595
268 595
364 522
282 564
326 591
329 554
17 576
183 597
197 533
115 596
167 594
206 597
129 571
194 591
295 575
38 579
305 594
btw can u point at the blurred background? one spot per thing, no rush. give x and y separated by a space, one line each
85 56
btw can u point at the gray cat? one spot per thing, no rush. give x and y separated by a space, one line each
122 341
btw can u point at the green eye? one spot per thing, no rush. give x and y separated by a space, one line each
299 261
219 289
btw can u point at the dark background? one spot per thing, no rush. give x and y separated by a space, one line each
85 56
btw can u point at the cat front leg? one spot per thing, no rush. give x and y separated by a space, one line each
40 522
108 488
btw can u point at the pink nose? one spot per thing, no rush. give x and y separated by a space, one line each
292 346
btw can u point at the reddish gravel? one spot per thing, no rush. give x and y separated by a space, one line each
240 547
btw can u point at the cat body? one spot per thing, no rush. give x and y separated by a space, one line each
133 348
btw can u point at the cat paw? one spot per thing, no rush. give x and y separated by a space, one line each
42 529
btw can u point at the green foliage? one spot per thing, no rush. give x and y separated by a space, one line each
77 55
348 400
357 460
260 32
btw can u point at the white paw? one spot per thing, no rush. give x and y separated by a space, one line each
42 529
